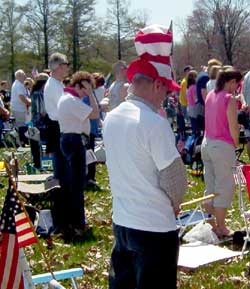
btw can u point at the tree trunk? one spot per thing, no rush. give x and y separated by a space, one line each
118 30
46 47
45 33
75 37
12 57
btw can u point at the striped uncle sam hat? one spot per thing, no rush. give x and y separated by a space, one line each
154 46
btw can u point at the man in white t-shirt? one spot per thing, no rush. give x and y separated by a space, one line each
147 178
19 100
20 103
118 89
53 90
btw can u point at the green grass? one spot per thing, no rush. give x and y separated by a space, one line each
93 255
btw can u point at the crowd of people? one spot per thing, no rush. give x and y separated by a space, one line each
142 115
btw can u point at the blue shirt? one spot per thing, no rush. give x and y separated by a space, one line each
94 123
201 83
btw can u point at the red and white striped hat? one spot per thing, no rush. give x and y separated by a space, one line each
153 45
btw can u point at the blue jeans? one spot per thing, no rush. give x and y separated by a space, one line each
193 121
143 260
74 181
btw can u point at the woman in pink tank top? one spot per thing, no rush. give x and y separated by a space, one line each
218 146
191 100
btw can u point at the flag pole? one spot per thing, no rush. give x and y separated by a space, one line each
12 183
171 29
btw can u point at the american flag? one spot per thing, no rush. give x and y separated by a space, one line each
16 233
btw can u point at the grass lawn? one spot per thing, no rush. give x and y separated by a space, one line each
93 255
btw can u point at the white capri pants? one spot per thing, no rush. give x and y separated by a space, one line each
218 158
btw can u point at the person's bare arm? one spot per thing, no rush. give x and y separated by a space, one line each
233 121
173 181
4 112
93 103
204 93
25 100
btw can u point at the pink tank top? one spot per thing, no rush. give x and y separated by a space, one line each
191 95
216 123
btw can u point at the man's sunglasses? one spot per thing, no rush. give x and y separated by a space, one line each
65 63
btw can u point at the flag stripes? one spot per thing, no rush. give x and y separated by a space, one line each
10 269
25 234
158 48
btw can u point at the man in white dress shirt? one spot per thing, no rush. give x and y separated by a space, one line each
53 91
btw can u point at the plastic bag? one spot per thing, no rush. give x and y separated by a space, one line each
100 153
90 157
53 284
45 224
201 232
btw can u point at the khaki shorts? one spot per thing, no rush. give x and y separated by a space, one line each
218 158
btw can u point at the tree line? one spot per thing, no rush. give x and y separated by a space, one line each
31 31
215 29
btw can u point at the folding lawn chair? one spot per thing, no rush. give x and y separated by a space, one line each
36 143
242 179
10 135
59 275
193 216
29 280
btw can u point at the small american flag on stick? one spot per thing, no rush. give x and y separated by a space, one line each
17 232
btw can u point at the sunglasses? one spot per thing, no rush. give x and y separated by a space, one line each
65 63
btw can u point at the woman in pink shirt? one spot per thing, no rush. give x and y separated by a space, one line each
191 99
218 148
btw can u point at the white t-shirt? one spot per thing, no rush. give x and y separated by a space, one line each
99 93
17 89
211 85
114 94
53 90
1 103
73 115
139 143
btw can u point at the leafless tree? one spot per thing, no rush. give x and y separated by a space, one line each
121 23
222 21
41 24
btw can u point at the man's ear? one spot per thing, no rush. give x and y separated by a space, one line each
158 84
